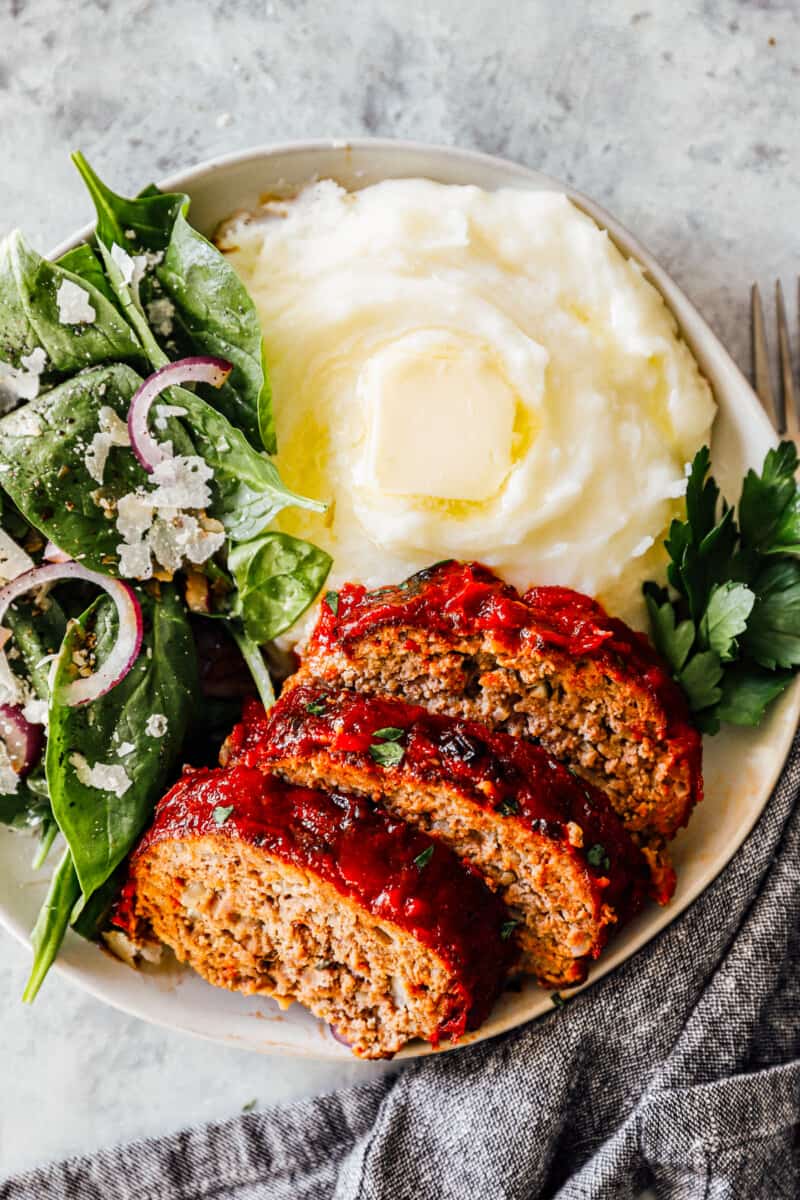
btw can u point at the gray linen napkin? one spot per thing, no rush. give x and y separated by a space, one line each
680 1070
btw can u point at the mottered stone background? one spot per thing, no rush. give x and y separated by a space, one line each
682 119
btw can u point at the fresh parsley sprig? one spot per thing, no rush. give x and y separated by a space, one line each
729 625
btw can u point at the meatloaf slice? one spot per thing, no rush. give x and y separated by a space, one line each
325 899
551 666
547 842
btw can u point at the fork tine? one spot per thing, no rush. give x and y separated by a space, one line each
787 414
760 354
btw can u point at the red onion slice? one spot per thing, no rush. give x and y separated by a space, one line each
185 370
129 639
23 740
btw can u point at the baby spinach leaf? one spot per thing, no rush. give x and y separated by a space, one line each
253 656
99 825
149 217
48 832
90 917
128 298
43 446
212 306
51 924
83 261
28 804
38 630
215 310
29 316
278 577
249 492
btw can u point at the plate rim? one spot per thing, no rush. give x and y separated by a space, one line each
681 306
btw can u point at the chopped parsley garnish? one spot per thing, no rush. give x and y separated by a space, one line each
596 856
332 601
387 754
507 929
729 625
389 733
509 807
250 1105
221 813
422 860
316 707
557 1000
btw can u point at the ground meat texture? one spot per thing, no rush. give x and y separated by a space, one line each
321 898
547 842
551 666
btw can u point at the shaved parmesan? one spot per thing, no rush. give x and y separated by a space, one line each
113 431
73 303
160 314
102 776
156 725
21 383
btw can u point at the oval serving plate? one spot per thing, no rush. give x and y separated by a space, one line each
741 766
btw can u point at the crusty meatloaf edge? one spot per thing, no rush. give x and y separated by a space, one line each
546 841
390 875
551 666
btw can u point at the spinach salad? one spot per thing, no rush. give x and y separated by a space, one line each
137 491
137 562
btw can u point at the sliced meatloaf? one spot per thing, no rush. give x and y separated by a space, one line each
550 666
320 898
547 842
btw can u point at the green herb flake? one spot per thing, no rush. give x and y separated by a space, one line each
316 707
597 857
557 1000
387 754
332 601
250 1105
422 860
221 813
507 929
389 733
509 807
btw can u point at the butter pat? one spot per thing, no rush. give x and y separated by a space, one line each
440 417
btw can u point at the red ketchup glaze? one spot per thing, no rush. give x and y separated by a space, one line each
364 854
468 598
451 597
561 616
500 773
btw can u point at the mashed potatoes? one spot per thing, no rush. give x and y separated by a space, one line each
471 374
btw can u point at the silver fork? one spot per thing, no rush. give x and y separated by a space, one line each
781 408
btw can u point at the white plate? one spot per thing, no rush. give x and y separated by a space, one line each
741 766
